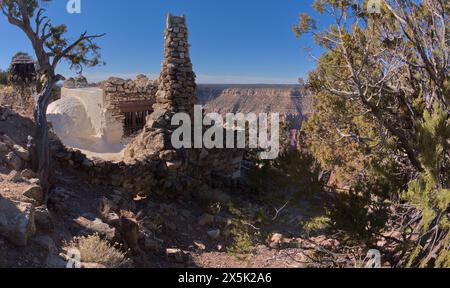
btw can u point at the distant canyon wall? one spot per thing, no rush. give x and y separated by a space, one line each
287 100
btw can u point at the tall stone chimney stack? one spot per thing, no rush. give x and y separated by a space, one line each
176 93
177 88
167 169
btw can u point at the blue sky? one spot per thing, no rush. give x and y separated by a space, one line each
246 41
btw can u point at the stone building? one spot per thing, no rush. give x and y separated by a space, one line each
121 107
22 70
118 109
129 102
108 114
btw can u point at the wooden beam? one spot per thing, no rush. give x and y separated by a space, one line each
136 106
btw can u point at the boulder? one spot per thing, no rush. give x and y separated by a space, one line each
151 245
87 163
96 226
43 219
78 82
16 221
14 161
214 234
28 174
14 177
22 152
115 81
4 148
35 192
206 219
275 239
199 245
130 232
178 255
46 243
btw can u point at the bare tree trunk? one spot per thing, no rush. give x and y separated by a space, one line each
42 149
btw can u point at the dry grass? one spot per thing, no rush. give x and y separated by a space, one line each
94 249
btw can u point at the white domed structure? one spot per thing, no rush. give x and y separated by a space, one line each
78 120
69 119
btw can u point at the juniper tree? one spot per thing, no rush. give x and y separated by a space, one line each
381 92
3 77
51 46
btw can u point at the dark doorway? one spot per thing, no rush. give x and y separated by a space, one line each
135 113
134 122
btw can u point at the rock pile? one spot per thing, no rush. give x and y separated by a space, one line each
17 213
12 154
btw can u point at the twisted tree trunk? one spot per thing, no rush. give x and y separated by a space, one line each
42 149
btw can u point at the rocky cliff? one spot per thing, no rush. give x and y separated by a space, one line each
284 99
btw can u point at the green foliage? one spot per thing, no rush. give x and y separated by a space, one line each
243 236
242 239
300 170
443 259
3 77
52 40
316 224
306 24
207 197
428 192
294 170
14 7
85 54
381 122
361 212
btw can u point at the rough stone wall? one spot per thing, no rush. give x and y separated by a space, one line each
217 169
177 88
117 90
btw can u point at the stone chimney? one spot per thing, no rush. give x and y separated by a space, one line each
177 88
176 93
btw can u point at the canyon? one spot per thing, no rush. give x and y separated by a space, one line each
290 101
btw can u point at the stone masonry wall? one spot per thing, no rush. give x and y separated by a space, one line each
177 89
217 169
117 90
